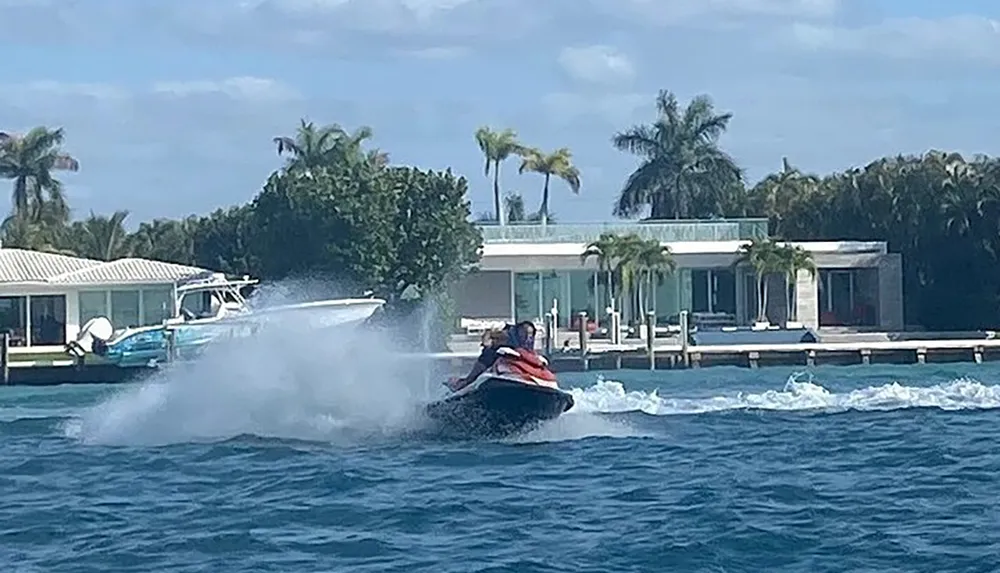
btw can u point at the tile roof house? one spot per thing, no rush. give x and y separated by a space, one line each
38 287
24 267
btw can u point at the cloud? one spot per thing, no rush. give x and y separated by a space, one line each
611 110
239 88
597 64
962 38
171 106
365 28
436 53
160 149
716 12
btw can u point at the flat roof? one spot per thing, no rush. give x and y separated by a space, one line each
681 248
701 230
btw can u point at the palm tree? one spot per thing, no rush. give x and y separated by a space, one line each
764 257
29 161
314 147
497 147
559 163
514 206
22 233
616 260
608 252
168 240
683 172
655 261
102 237
778 195
795 258
514 211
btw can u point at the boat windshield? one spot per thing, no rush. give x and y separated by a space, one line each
204 304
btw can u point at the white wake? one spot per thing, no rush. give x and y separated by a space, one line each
608 396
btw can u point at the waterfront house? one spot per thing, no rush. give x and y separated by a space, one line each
46 297
525 268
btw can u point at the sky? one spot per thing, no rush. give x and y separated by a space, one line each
171 106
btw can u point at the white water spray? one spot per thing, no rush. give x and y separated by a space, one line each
331 385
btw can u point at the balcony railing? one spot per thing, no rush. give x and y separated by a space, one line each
663 231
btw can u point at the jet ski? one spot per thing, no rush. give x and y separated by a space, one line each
515 395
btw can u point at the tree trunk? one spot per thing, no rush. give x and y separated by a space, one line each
762 311
545 201
790 294
650 292
497 202
611 289
642 299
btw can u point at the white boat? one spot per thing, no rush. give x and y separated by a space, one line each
207 307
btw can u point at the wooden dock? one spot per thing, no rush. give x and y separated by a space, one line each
663 357
21 366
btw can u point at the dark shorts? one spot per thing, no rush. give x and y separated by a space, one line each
488 356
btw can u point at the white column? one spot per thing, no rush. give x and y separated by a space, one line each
807 299
513 297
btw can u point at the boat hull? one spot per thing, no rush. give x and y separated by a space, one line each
498 406
149 346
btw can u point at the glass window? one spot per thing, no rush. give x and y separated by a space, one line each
125 308
582 296
198 305
724 291
553 292
48 320
526 295
93 303
157 305
13 319
700 290
668 294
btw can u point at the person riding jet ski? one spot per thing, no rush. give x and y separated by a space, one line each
513 340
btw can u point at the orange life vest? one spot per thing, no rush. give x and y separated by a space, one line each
526 364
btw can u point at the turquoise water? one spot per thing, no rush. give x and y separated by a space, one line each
723 470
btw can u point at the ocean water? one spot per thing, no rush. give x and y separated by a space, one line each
718 470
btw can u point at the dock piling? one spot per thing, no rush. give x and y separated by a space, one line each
171 346
550 333
921 356
581 329
5 357
651 338
684 335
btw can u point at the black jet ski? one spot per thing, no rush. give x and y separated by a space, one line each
497 405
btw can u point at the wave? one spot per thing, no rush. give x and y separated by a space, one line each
609 396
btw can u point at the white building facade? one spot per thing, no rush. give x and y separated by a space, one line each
526 269
45 297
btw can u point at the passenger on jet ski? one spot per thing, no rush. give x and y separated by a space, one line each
516 336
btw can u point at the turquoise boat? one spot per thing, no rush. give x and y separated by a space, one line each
208 307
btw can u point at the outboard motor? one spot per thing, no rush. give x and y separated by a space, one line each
93 337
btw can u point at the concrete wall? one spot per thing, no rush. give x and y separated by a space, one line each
777 301
484 294
807 299
890 292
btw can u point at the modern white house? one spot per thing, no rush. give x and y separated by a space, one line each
525 270
45 297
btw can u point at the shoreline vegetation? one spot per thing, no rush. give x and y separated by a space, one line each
339 207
